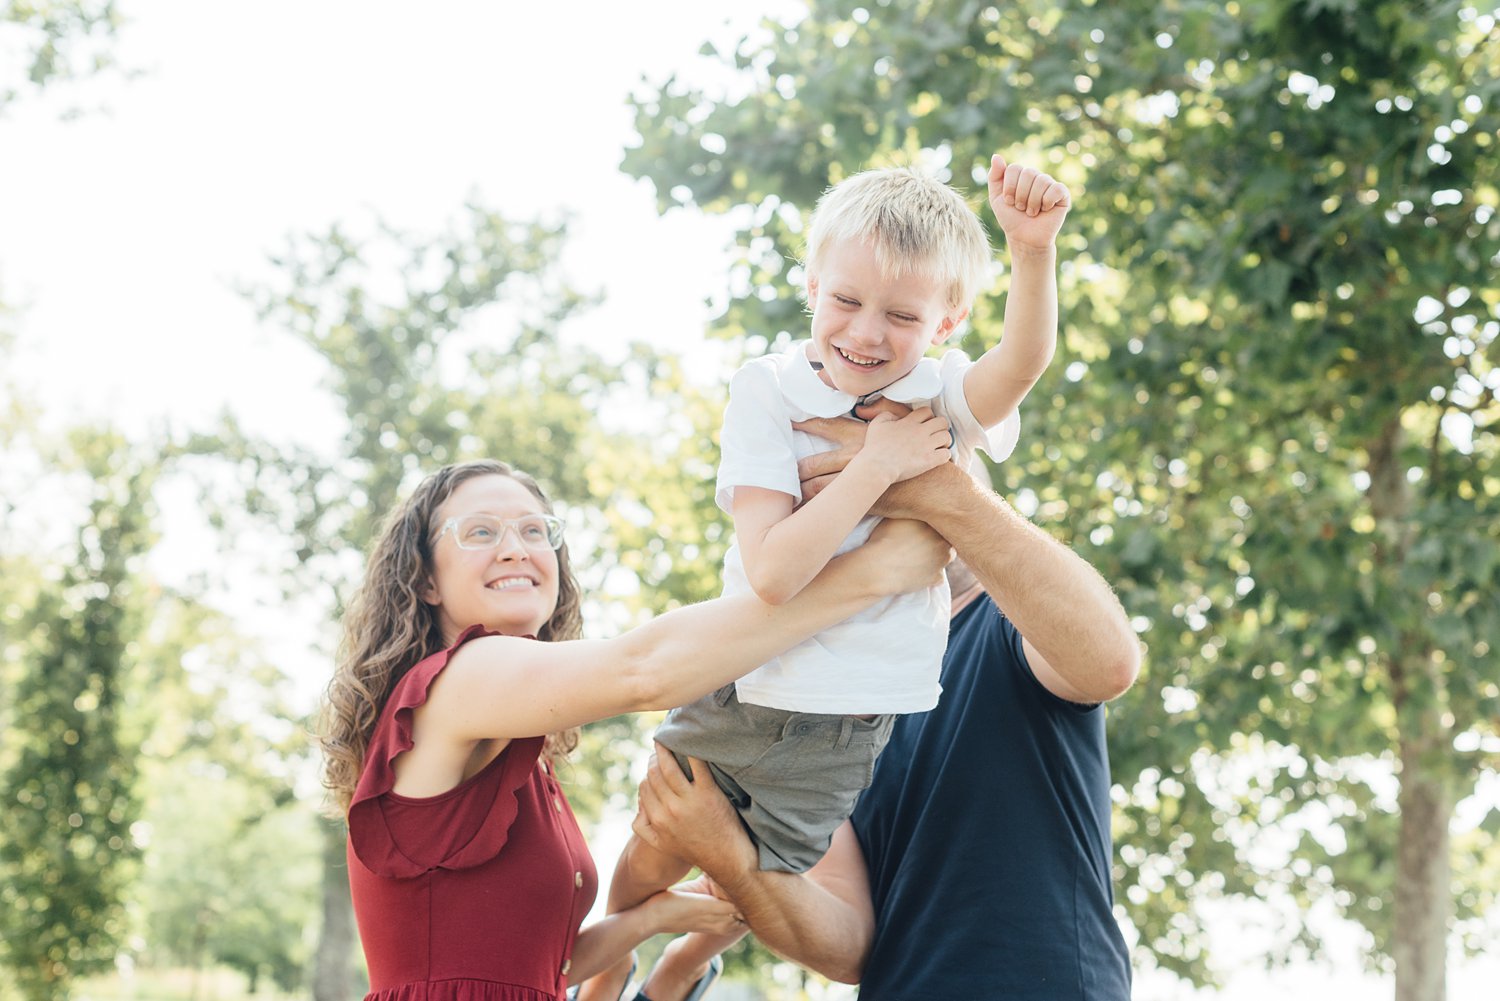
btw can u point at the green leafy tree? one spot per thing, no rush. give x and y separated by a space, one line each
20 574
222 751
225 884
57 40
173 707
68 855
1272 420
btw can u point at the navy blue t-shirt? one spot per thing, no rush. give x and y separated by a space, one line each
986 833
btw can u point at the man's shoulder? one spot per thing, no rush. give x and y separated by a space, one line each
984 644
982 624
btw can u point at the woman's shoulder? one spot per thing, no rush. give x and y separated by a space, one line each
393 734
476 652
414 688
423 671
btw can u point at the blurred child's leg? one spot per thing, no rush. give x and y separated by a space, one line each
641 872
684 963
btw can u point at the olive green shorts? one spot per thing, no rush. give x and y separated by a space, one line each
793 777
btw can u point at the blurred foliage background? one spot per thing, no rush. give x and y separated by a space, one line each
1271 424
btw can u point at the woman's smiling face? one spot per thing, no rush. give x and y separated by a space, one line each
511 588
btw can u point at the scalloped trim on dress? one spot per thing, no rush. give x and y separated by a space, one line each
369 835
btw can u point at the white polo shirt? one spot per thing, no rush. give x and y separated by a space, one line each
887 658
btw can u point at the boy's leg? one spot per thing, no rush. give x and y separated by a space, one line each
684 963
640 872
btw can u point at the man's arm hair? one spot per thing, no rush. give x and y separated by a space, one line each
1076 634
821 919
1078 638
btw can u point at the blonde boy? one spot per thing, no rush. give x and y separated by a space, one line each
894 261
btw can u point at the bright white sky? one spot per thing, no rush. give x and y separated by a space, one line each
123 232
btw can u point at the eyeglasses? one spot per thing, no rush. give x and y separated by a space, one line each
537 532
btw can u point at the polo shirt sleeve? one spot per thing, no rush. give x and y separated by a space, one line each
997 442
755 441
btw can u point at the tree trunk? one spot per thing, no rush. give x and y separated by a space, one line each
1423 880
1423 904
333 975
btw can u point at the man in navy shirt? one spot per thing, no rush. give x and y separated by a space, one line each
977 864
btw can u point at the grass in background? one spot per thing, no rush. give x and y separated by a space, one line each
148 984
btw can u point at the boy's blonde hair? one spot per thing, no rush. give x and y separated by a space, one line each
916 224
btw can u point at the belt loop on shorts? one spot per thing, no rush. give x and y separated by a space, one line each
846 733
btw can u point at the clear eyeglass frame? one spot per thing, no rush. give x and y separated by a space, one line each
475 532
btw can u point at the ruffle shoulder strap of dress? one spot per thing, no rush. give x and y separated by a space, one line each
369 835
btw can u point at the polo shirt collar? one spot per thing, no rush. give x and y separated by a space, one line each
809 395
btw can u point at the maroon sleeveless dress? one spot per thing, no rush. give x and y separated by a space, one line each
473 895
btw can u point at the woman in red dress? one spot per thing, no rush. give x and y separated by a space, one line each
460 684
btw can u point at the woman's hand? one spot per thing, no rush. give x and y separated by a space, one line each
904 555
689 907
686 907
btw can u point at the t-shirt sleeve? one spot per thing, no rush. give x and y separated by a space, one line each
755 440
969 435
1006 636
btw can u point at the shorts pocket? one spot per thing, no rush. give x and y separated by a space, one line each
834 755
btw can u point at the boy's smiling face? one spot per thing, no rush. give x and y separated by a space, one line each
869 330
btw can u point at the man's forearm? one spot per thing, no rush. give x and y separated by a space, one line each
804 919
1060 603
821 919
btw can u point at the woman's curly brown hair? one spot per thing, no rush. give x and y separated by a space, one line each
389 628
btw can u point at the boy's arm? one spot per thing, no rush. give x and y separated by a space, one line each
1030 207
783 549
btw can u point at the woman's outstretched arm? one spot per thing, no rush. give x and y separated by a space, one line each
500 687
